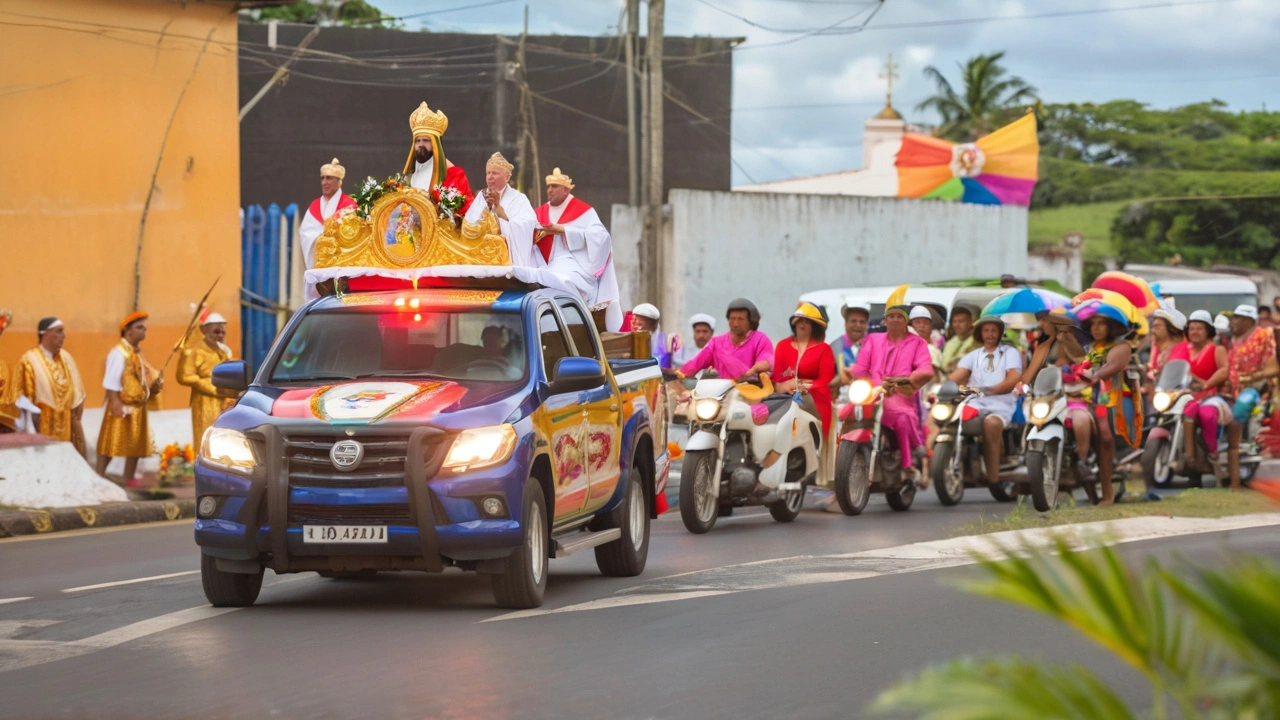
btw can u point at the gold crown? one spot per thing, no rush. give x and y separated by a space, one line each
558 178
496 160
425 122
333 169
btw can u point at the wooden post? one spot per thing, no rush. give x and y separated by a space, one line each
633 169
651 265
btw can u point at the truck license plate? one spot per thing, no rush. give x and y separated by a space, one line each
344 533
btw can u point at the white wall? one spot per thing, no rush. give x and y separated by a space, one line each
772 248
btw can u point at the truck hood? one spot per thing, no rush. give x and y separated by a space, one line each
408 402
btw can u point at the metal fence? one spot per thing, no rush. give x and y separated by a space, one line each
267 255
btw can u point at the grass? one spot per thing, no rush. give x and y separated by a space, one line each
1190 503
1093 221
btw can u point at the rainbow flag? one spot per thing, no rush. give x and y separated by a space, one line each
998 169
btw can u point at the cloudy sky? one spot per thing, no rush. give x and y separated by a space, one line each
801 96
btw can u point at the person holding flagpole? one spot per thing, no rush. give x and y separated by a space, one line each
195 371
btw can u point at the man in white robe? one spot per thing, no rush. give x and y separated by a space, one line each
571 242
509 206
331 200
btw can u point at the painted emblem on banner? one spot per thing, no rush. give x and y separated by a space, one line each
362 402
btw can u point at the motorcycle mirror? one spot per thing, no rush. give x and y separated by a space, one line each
948 391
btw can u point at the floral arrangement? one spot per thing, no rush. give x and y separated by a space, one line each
449 201
370 190
177 464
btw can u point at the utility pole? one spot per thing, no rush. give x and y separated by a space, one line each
633 169
522 119
652 266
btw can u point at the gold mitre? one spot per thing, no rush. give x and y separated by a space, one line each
558 178
425 122
333 169
497 161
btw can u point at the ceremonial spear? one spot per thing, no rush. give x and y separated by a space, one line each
195 318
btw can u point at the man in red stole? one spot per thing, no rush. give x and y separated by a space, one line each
331 200
426 166
572 243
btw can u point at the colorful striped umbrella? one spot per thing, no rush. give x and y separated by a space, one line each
1027 300
999 169
1133 288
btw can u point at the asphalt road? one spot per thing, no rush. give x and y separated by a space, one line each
698 635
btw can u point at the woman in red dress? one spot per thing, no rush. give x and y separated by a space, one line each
806 362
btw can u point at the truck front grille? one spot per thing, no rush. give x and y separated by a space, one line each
353 514
308 463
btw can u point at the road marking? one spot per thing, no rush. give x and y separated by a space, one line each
6 601
916 557
99 586
190 522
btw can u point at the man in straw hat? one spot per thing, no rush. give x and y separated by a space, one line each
195 370
427 166
331 200
572 242
510 207
48 375
132 384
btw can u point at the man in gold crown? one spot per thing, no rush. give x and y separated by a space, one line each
509 206
572 243
133 385
331 200
196 372
48 375
427 167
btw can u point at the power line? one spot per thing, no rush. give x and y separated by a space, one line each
806 31
1037 16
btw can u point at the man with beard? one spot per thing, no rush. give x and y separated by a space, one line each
427 167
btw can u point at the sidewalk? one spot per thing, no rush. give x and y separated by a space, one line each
34 522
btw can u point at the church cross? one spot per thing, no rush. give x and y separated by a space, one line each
890 72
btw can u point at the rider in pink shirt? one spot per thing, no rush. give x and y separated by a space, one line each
740 354
898 353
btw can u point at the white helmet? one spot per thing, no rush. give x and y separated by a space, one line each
1222 323
1173 317
646 310
920 311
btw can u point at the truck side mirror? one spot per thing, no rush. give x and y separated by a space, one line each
575 374
232 375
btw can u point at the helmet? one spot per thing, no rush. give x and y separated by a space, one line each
744 304
1173 317
977 324
1248 311
1222 323
647 310
1118 321
920 312
851 307
810 312
1202 316
703 319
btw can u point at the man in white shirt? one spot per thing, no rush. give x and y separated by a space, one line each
509 206
994 369
331 200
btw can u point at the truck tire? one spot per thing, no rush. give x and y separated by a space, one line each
698 512
853 479
1042 476
1155 466
788 508
950 487
227 589
626 556
523 579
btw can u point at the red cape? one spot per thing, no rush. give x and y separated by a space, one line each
344 201
575 210
456 178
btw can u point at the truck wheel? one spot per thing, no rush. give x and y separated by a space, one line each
523 579
626 556
227 589
1042 476
853 479
699 505
949 485
788 508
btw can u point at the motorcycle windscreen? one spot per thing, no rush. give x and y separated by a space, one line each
1048 382
1176 375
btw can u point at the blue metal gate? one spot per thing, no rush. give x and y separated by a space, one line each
266 257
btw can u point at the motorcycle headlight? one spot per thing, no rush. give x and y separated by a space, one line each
1040 410
228 448
706 409
481 447
859 392
1162 401
941 412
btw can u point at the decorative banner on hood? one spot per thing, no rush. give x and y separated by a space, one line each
368 402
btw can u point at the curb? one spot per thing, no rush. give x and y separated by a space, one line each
51 520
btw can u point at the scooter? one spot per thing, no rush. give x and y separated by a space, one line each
868 459
957 460
1051 450
742 453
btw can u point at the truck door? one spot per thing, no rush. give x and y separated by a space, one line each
603 426
562 421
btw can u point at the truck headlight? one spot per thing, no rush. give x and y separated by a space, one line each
859 392
1162 401
481 447
941 412
228 448
1040 410
706 409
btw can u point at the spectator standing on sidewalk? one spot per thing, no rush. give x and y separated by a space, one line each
47 376
196 372
133 386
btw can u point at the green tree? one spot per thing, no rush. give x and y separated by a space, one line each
350 13
1205 232
989 98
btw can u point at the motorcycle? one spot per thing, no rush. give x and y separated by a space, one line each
957 460
1051 450
868 459
741 453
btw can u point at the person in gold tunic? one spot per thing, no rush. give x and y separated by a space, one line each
133 386
48 376
8 388
196 372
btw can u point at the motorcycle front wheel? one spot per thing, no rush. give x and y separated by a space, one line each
1157 457
1042 475
853 478
948 483
788 508
699 505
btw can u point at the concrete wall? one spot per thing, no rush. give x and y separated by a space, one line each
93 86
772 248
1060 263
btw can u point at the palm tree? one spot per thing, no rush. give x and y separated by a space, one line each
991 97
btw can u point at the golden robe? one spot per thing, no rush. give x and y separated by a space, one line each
130 436
196 372
8 396
54 385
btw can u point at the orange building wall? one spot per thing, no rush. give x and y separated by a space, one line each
90 89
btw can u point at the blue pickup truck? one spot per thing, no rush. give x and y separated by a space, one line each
477 428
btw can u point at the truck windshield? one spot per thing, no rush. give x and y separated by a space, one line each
475 345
